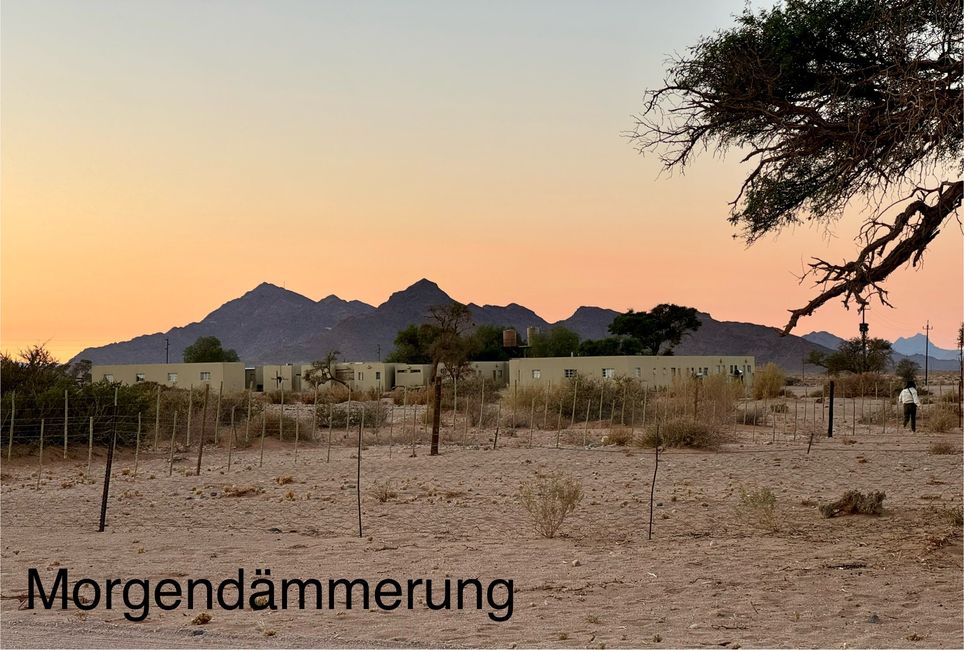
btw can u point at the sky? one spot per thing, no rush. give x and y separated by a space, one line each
161 158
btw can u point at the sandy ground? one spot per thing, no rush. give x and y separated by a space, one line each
707 578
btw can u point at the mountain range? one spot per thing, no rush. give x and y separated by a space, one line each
904 348
270 324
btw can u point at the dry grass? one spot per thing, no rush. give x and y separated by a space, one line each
619 436
769 381
383 492
943 448
758 506
941 419
549 499
855 503
241 490
284 479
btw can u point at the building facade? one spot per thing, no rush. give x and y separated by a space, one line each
654 371
174 375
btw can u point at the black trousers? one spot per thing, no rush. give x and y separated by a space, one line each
910 413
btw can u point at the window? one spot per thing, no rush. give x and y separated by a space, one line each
205 375
400 371
569 373
608 373
637 373
361 375
378 375
416 370
172 377
537 374
139 376
109 377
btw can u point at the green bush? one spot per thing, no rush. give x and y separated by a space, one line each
682 432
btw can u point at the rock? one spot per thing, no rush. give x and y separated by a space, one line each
873 618
197 632
576 563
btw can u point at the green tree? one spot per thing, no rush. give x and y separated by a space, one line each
486 342
659 329
412 344
207 349
832 103
557 342
907 370
849 356
610 346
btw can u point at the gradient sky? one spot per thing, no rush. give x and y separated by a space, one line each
161 158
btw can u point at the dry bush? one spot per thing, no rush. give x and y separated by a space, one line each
768 381
419 395
758 506
940 419
943 448
619 436
953 516
337 415
779 407
750 416
868 384
284 479
855 503
682 432
549 499
241 490
382 492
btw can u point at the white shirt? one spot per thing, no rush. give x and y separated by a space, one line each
908 396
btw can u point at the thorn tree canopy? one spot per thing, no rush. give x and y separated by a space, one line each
661 328
830 101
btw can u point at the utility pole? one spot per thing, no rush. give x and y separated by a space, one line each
379 353
927 345
167 350
864 327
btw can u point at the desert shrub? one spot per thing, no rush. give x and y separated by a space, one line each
415 396
954 516
758 506
855 503
951 397
619 436
941 419
779 407
276 396
866 384
337 415
682 432
768 381
943 448
756 417
275 424
382 491
549 499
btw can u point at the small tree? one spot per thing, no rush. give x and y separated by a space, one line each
550 499
907 370
448 347
557 342
769 381
849 357
207 349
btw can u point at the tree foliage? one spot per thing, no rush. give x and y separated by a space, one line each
207 349
659 329
828 101
907 369
611 346
556 342
849 356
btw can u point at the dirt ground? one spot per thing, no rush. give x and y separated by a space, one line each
710 576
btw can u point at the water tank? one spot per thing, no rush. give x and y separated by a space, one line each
531 334
509 339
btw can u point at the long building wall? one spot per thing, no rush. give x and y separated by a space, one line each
651 370
179 375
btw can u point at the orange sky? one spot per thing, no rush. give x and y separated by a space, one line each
161 159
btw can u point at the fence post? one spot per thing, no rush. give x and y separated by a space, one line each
13 415
263 426
204 422
90 446
331 419
190 408
157 417
137 444
498 420
575 391
231 442
170 461
830 412
247 421
217 414
65 424
40 469
107 467
585 431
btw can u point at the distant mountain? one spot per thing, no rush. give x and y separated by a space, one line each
763 342
915 345
253 325
826 339
273 325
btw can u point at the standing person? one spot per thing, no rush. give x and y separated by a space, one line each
910 401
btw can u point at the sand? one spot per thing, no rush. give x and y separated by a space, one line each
708 577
